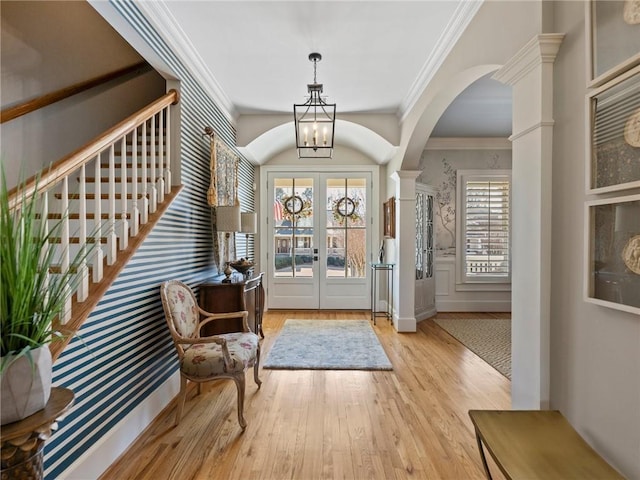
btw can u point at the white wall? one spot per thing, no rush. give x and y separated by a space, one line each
439 169
595 351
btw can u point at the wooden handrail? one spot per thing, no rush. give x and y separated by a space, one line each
49 98
74 160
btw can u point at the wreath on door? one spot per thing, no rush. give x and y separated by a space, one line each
346 207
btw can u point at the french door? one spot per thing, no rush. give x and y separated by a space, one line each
319 240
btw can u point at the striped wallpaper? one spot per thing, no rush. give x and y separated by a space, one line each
124 351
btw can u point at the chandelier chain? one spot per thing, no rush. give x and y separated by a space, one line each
315 65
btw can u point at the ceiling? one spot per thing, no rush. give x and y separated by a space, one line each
377 56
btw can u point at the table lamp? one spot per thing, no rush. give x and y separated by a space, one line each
227 222
248 225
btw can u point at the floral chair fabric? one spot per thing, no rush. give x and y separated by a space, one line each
202 359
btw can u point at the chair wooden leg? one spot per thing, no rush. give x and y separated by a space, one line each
256 366
239 379
181 398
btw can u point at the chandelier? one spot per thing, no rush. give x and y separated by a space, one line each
314 120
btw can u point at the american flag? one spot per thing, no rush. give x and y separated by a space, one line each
277 211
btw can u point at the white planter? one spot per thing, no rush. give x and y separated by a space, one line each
26 385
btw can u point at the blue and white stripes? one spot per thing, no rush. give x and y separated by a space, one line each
123 352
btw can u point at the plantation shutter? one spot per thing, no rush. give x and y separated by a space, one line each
487 224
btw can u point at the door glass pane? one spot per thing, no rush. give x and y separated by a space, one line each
420 250
293 227
346 227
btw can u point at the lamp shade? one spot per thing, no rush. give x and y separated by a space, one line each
248 222
228 218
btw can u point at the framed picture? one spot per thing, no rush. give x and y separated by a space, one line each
613 38
613 253
389 208
613 113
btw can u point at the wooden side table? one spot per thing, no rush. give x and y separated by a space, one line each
23 441
241 293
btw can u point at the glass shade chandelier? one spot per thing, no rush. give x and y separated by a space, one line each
314 120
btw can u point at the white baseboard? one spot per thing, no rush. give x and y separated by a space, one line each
100 456
473 305
405 324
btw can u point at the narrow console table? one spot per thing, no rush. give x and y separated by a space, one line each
385 268
242 293
537 445
23 441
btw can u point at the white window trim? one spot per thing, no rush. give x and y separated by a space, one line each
462 281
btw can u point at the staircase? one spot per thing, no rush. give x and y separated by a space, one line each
106 196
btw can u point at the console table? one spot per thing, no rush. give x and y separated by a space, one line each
537 445
23 441
242 293
376 268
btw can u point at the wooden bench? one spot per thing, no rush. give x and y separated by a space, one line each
537 444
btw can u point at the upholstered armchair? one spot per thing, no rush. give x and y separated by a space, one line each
203 359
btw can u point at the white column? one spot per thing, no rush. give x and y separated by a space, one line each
404 284
530 73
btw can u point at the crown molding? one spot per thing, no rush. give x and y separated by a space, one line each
468 143
459 21
166 25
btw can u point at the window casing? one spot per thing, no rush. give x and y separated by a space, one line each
484 226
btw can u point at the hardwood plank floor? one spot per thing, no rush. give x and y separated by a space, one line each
411 422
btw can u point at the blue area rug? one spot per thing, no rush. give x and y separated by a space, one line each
327 345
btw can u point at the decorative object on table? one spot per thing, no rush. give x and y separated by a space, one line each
381 252
613 253
389 210
202 359
314 120
31 297
613 154
613 38
243 266
327 345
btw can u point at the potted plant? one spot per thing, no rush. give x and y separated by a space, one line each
30 300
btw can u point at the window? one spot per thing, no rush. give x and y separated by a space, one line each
484 226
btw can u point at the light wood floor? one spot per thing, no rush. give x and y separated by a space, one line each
411 422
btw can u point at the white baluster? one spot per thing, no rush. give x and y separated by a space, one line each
153 194
45 227
160 158
82 271
65 315
167 161
112 239
135 213
124 223
144 212
98 257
